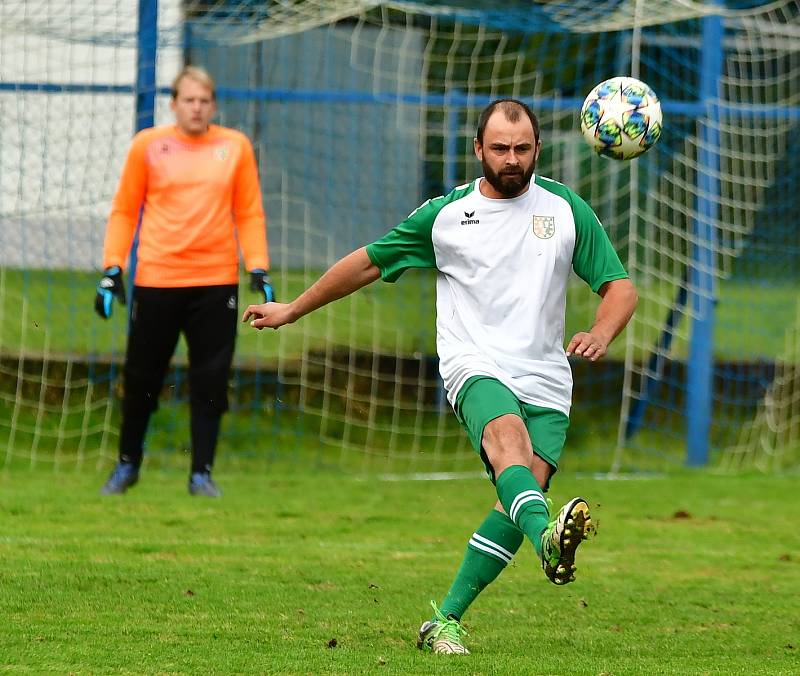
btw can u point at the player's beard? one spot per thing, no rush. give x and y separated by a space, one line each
508 182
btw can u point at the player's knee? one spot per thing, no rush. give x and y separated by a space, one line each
505 446
507 436
140 394
208 392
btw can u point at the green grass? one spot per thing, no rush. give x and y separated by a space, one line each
52 311
689 574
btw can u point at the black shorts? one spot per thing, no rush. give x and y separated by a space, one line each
208 318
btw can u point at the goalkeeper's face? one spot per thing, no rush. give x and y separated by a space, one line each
508 154
194 106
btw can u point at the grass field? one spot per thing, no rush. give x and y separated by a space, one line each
52 311
324 574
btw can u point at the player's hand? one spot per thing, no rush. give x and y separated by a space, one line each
108 288
269 315
261 283
588 346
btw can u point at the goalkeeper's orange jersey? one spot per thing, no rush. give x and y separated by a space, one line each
199 195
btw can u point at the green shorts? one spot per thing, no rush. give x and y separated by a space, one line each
483 398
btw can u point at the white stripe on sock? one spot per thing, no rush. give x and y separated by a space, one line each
521 499
490 543
487 541
489 550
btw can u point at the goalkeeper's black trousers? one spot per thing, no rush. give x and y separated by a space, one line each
207 316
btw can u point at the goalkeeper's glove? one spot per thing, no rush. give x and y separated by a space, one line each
261 283
109 287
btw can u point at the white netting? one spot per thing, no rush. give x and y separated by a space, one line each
359 111
771 442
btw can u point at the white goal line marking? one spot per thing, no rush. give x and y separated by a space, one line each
451 476
432 476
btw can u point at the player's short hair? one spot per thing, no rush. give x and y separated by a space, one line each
197 74
512 109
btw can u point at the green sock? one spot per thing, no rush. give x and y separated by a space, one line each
489 550
524 502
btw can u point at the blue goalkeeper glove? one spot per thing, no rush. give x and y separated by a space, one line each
109 287
261 283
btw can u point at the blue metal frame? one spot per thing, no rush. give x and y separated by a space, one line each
145 89
702 284
686 108
146 45
656 363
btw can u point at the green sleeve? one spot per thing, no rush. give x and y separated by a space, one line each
410 243
594 259
407 245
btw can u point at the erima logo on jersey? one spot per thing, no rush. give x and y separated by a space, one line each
469 220
232 303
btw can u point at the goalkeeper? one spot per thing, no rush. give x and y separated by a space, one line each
504 246
196 185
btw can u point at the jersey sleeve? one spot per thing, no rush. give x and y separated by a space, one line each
126 204
248 211
594 259
408 245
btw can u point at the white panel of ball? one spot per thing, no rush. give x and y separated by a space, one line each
621 118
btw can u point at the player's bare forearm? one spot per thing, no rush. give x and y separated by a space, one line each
616 308
343 278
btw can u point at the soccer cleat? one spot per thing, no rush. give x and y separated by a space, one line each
561 538
442 635
124 475
201 483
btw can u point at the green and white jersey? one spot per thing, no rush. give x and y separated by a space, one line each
502 284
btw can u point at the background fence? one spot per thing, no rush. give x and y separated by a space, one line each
359 111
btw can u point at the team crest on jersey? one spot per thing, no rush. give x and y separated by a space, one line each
221 152
544 227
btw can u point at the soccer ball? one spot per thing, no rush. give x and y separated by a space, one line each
621 118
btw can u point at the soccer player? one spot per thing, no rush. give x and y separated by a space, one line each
504 246
196 185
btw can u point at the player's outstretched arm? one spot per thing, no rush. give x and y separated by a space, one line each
618 302
343 278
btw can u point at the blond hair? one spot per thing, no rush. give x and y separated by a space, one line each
199 75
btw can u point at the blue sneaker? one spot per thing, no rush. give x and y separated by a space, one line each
201 483
125 475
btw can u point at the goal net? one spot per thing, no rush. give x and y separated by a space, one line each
359 111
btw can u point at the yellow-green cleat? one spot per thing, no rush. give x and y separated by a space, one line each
561 538
442 635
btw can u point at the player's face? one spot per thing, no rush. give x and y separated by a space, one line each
193 107
508 154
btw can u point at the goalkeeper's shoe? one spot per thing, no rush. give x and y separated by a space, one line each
201 483
442 635
124 475
561 538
